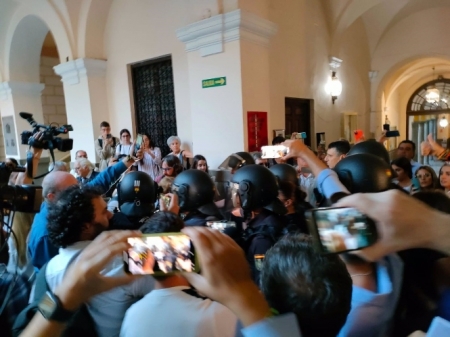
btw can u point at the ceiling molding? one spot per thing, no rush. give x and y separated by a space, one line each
71 72
209 35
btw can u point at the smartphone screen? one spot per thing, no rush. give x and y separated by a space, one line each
301 135
274 151
139 140
337 230
160 254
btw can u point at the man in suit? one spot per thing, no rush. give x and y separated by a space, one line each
85 170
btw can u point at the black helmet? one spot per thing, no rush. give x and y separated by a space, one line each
257 187
372 147
137 195
196 191
285 172
364 173
237 160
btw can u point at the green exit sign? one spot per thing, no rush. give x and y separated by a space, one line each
214 82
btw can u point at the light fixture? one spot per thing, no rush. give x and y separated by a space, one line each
443 122
432 95
334 86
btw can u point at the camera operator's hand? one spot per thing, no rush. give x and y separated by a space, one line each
402 223
225 275
83 278
38 144
174 207
383 137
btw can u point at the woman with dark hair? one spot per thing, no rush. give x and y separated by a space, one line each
291 196
427 178
444 178
403 168
171 167
200 163
151 160
124 148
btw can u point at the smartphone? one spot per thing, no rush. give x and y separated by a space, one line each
301 135
160 254
220 225
274 151
337 230
393 133
386 127
108 136
139 140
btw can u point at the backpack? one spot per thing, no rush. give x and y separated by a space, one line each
100 141
81 323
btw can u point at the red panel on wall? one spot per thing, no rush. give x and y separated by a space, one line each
257 130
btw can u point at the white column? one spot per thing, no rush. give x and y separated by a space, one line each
16 97
86 104
225 45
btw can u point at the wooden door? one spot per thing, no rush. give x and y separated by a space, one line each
298 117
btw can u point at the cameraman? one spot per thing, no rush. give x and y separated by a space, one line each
39 246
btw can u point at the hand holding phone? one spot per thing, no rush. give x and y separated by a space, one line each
337 230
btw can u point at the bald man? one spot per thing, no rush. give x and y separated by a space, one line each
40 248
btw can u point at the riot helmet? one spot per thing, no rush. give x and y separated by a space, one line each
137 193
237 160
195 190
372 147
285 172
364 173
254 187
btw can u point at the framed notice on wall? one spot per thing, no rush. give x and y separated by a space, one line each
9 136
256 130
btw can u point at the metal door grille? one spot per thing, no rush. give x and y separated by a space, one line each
154 101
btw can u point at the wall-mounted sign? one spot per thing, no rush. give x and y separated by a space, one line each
214 82
257 130
9 136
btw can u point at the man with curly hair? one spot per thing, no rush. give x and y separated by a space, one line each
75 218
39 246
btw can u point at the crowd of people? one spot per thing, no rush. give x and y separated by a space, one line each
261 276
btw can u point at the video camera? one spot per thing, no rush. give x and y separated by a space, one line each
19 198
49 139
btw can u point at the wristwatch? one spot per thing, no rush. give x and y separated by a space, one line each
51 308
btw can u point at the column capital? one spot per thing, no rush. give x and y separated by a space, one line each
12 87
209 35
71 72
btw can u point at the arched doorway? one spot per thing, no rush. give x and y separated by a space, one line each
424 114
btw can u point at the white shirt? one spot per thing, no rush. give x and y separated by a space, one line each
172 312
307 185
107 309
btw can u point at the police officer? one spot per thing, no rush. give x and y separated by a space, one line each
196 191
137 194
255 190
292 197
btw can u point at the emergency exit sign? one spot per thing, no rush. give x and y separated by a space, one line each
214 82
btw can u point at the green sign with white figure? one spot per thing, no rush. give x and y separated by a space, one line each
214 82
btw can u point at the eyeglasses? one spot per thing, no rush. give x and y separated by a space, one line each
167 169
76 168
426 175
